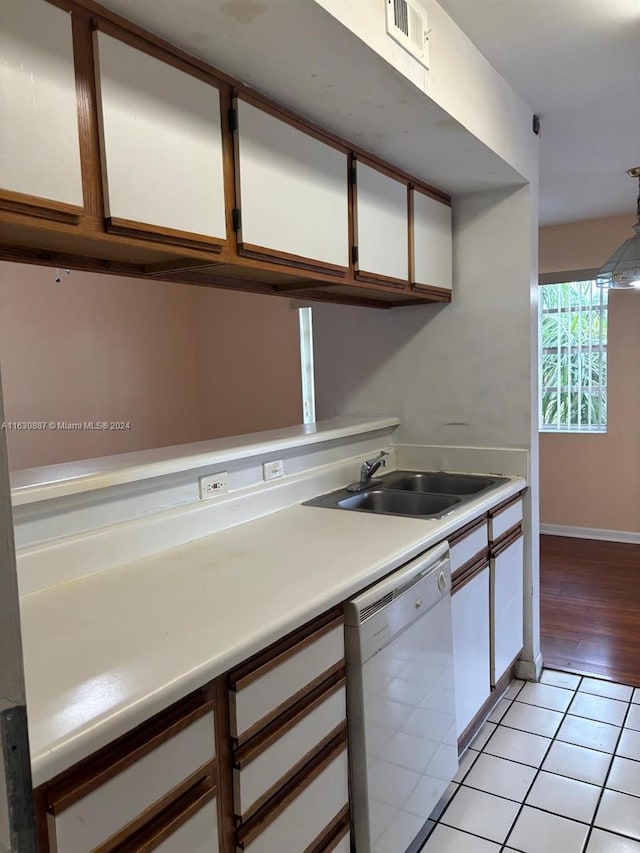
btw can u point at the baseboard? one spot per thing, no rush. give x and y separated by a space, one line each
591 533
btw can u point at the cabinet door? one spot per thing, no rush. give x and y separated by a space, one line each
382 227
292 193
507 592
432 250
39 143
161 141
471 647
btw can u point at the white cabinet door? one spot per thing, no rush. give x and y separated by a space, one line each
507 591
39 143
471 647
432 249
293 190
382 225
161 142
198 834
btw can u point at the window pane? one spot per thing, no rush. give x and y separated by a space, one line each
573 357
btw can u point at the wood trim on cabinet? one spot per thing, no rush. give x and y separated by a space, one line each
487 706
286 259
146 42
160 234
283 649
293 771
169 821
410 234
386 280
250 750
253 828
471 527
501 507
88 120
334 833
203 780
43 208
468 571
89 774
224 755
440 294
268 719
512 535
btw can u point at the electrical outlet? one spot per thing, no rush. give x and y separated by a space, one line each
273 470
213 485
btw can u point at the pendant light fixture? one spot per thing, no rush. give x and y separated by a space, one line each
622 270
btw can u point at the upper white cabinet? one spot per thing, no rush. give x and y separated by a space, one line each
292 193
161 144
39 143
382 227
432 250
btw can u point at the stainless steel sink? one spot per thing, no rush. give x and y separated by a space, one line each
441 483
387 502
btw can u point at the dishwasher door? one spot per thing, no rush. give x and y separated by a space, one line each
402 726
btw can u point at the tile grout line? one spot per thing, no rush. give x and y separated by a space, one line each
592 825
539 768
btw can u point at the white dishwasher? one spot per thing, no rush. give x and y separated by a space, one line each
402 724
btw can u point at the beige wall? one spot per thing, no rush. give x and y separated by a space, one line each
180 363
593 481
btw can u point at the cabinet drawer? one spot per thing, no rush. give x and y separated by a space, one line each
503 520
259 693
261 771
300 819
125 798
469 547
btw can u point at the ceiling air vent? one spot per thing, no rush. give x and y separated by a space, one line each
407 25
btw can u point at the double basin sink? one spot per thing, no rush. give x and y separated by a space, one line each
427 494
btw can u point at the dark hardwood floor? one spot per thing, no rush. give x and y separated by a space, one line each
590 607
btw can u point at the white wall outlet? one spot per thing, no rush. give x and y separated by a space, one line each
213 485
273 470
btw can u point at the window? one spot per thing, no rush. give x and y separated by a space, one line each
573 357
306 363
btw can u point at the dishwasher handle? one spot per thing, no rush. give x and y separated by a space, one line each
436 560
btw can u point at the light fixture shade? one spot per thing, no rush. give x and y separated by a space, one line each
622 270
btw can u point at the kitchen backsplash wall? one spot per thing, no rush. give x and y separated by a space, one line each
175 362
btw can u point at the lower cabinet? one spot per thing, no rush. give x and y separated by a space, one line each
256 760
507 589
471 644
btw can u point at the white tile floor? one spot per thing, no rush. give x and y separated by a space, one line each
555 769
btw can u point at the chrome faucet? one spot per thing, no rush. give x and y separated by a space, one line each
367 471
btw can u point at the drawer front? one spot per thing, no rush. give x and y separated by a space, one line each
253 704
94 818
505 520
199 834
307 816
472 545
267 770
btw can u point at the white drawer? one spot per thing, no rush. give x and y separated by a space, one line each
198 834
263 694
467 547
94 818
305 818
269 767
505 520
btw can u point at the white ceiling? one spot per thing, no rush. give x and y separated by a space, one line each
577 62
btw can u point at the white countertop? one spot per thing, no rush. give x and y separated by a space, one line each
105 652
